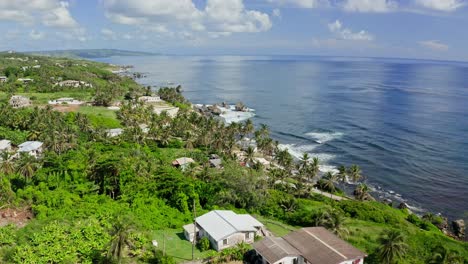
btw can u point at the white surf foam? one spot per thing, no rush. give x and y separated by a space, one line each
297 151
328 168
322 137
230 115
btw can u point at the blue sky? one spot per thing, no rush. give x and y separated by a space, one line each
433 29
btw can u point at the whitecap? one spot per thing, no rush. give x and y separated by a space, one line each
328 168
297 151
323 137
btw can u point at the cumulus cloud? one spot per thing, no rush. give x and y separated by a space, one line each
218 17
343 33
35 35
378 6
434 45
441 5
301 3
53 13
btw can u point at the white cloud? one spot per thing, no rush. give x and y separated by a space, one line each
346 34
301 3
36 35
53 13
434 45
219 17
59 17
378 6
108 34
441 5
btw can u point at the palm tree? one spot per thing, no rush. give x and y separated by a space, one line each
120 234
392 246
27 166
314 168
342 173
7 165
442 255
354 173
249 158
333 221
328 182
361 192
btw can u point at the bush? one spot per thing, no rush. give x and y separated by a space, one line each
203 244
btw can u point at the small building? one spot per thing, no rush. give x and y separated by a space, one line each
65 100
25 80
225 229
245 143
190 231
3 79
311 245
216 163
262 161
5 145
182 163
73 83
36 66
17 101
171 111
150 99
114 132
33 148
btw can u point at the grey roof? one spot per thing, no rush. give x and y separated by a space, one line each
274 249
182 161
222 223
189 228
4 144
29 146
319 246
215 162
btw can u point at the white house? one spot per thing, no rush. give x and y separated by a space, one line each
3 79
182 163
189 231
150 99
73 83
5 145
114 132
17 101
311 245
65 100
33 148
25 80
225 228
245 143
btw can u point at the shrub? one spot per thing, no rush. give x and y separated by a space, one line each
203 244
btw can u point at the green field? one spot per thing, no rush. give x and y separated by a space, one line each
177 246
101 116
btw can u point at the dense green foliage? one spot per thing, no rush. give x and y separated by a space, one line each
99 199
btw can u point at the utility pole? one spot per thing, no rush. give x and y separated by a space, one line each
194 229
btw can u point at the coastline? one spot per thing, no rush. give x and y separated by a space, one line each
382 195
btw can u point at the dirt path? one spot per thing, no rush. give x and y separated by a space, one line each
19 216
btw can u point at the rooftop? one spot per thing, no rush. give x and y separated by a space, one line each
319 246
4 144
29 146
222 223
273 249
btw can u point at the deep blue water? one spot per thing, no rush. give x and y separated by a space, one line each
405 122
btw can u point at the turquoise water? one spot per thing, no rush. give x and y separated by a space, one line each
405 122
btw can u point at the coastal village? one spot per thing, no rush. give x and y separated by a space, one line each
145 123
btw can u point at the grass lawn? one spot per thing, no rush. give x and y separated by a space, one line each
176 245
43 98
101 116
276 227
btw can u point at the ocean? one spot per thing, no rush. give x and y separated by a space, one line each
404 122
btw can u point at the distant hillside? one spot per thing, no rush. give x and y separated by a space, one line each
92 53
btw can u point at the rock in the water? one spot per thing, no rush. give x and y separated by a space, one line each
388 202
403 206
459 228
443 226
